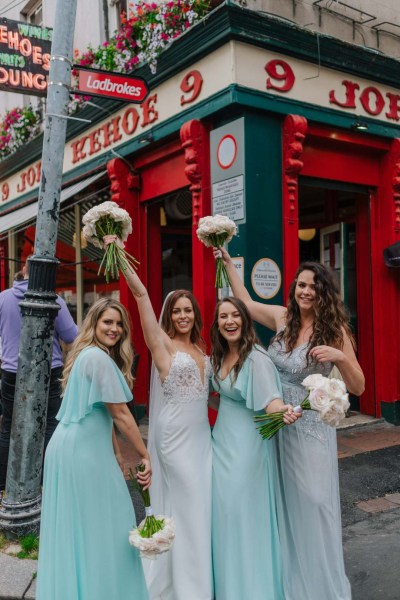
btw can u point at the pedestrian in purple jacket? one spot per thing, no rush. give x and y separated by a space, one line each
10 329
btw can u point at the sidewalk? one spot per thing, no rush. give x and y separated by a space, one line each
369 453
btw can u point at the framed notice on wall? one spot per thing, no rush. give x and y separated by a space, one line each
227 171
266 278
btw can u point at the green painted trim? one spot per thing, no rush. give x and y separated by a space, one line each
319 114
231 22
222 106
391 412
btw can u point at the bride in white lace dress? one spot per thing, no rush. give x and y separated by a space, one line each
179 443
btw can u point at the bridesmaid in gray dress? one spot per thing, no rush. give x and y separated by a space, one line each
313 335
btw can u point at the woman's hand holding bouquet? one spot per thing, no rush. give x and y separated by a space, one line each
154 535
328 397
108 226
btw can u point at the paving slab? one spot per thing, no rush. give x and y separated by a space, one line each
375 436
16 577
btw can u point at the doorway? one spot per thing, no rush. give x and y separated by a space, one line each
170 238
332 223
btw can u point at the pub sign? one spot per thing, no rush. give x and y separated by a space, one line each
24 57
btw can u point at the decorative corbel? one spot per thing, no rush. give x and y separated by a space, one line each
294 133
194 138
396 184
123 180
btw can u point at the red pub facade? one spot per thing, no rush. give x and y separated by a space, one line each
302 151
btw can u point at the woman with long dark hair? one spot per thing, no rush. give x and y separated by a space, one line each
245 540
179 442
313 336
87 510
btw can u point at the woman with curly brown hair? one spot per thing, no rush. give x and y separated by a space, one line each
313 335
245 540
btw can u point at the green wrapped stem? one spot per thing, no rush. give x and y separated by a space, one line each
115 258
151 524
271 423
221 275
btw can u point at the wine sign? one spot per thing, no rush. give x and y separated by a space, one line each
24 57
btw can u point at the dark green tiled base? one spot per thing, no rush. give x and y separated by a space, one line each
391 412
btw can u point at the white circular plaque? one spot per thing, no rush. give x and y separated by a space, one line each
266 278
226 151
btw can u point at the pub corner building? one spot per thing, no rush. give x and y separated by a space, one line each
297 141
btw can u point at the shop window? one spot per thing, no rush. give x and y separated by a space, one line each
120 6
33 12
94 285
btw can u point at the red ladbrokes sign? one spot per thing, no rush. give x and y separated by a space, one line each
93 82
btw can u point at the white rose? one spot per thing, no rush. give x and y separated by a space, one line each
333 414
344 400
319 399
336 388
314 381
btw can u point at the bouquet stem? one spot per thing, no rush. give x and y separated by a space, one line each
115 258
151 524
271 423
221 275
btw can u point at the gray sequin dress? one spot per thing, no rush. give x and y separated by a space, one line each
308 495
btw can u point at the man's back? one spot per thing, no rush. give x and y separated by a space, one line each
10 326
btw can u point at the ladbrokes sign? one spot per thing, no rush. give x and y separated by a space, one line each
92 82
24 57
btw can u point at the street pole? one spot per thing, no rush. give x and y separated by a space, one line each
20 509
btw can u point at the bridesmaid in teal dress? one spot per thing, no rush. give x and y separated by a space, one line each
245 540
313 335
87 511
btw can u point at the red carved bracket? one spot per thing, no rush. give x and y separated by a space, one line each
396 184
294 133
194 140
123 181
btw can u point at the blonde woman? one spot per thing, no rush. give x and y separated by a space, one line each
87 510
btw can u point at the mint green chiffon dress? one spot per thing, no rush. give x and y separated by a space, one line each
87 511
245 540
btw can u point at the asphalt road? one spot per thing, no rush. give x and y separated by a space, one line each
371 540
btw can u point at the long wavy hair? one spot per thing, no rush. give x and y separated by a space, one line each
330 318
166 321
121 353
220 345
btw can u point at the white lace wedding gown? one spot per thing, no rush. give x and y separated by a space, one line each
181 487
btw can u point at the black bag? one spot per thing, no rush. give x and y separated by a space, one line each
391 255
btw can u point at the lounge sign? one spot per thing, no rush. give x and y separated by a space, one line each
24 57
93 82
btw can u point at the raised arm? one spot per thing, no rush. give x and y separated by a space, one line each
272 316
156 339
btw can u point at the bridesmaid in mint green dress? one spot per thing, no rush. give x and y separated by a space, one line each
87 511
245 539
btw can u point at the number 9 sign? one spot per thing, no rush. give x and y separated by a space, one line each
279 71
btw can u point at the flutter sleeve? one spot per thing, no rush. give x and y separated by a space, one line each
94 379
258 380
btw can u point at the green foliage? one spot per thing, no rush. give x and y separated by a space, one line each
30 546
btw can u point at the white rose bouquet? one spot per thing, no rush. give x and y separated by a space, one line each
217 231
154 535
328 397
109 219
